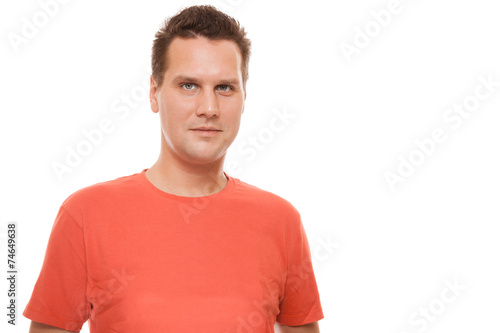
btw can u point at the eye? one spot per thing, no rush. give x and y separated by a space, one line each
224 87
188 86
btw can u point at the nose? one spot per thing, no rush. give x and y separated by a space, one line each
208 105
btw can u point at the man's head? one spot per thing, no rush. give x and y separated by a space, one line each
199 63
198 21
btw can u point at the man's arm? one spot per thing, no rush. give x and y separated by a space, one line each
307 328
42 328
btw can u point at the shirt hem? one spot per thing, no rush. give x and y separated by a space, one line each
300 320
43 318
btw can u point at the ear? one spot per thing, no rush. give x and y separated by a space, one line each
244 99
153 92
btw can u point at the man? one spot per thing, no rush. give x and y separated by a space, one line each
181 246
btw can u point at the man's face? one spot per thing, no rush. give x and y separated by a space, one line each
202 87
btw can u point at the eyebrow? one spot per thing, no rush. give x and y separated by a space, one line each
182 78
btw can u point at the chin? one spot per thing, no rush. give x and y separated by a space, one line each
203 158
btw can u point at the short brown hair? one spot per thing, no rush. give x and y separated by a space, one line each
192 22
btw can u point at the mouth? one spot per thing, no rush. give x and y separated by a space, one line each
206 131
206 128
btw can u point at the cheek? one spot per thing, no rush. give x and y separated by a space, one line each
234 122
234 108
238 111
175 112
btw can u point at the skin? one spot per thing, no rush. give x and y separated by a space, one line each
202 86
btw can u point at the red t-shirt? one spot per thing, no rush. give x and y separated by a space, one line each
129 257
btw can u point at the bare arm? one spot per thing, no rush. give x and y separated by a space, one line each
42 328
308 328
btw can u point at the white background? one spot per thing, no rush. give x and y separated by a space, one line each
380 254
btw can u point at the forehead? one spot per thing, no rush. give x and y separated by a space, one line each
202 57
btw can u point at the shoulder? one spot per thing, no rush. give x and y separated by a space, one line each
265 199
102 193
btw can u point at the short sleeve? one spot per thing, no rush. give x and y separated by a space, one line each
59 296
301 302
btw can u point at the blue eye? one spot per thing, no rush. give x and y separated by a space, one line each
188 86
227 88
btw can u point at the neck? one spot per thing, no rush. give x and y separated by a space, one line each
178 177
